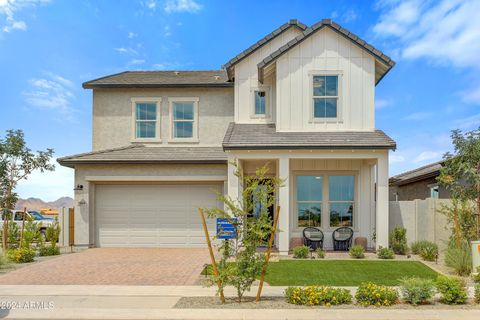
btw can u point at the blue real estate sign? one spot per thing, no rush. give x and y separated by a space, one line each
225 229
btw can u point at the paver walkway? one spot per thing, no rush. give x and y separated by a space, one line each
115 266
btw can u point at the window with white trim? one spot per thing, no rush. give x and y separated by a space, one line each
146 119
341 197
260 97
184 119
326 201
325 96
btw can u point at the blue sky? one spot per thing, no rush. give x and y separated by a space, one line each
49 47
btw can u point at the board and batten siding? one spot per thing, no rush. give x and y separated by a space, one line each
325 51
246 79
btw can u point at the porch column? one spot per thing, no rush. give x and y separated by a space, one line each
233 181
284 202
381 217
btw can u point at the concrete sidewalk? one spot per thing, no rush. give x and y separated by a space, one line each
157 302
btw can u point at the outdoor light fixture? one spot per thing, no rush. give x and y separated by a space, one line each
79 187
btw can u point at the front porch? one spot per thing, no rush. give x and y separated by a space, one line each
325 189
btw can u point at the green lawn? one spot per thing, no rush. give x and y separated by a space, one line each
343 272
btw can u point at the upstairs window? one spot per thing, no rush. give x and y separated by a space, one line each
183 120
145 120
325 96
260 103
184 116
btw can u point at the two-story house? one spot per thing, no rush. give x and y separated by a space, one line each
300 100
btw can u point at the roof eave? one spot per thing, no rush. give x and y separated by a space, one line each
306 147
138 86
72 163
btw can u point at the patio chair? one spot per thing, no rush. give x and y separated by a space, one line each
313 238
342 238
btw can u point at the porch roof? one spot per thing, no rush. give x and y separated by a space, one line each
148 155
265 136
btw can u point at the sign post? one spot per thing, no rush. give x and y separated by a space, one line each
212 256
269 251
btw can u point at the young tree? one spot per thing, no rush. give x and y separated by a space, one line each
240 264
17 162
461 171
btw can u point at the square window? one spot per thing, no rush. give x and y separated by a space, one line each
183 110
146 129
183 129
260 103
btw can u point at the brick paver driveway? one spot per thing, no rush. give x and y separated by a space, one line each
115 266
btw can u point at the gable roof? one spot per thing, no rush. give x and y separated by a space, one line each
159 79
424 172
147 155
265 137
260 43
385 63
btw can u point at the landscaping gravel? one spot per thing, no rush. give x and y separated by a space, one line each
280 303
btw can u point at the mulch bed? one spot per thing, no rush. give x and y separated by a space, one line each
280 303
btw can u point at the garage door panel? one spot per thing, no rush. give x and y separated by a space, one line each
153 215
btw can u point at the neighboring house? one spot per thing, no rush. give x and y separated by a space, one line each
300 100
420 183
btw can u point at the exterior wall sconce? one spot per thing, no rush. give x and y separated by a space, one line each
79 187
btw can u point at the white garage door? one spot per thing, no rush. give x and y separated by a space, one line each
153 215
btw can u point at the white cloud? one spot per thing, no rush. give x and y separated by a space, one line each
417 116
468 123
53 92
427 156
396 158
151 4
132 35
445 32
9 10
190 6
125 50
382 103
471 96
349 16
48 186
136 62
167 31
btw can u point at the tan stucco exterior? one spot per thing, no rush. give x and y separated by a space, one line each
113 124
90 175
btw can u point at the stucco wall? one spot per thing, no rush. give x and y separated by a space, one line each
112 115
422 220
416 190
87 175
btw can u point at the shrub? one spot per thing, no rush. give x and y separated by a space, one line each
357 252
317 295
385 253
417 246
460 259
398 240
477 293
4 262
476 277
22 255
301 252
321 253
49 251
429 251
370 294
452 289
417 290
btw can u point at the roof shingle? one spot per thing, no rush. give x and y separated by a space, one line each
143 154
264 136
428 171
157 79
